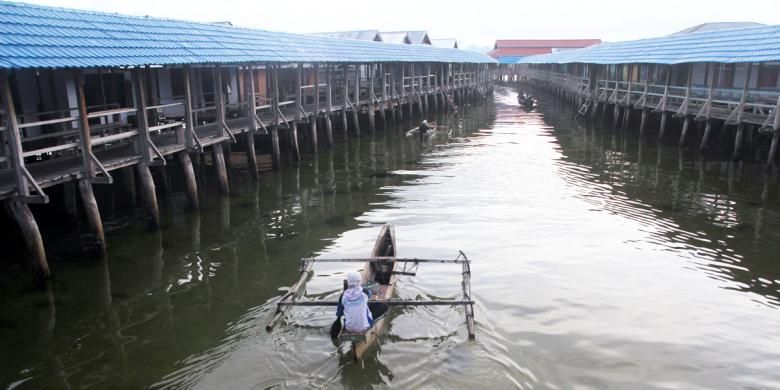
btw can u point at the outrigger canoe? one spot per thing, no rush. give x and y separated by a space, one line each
381 275
381 271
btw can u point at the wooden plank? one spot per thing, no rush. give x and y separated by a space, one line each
116 111
47 122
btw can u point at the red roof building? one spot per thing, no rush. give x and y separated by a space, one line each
527 47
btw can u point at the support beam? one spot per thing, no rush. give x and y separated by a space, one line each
189 179
20 212
93 215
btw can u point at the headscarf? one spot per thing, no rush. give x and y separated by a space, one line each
354 289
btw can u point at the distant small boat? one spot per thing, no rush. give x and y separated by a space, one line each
526 101
428 134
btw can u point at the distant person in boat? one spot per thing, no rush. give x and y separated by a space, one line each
423 129
354 305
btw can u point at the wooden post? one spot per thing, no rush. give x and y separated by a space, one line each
275 108
402 99
85 137
316 113
16 151
148 195
251 114
142 115
708 109
219 163
294 141
770 161
93 214
740 108
189 122
383 98
427 87
420 93
189 179
662 128
356 103
410 99
346 102
329 102
24 218
371 101
391 90
684 131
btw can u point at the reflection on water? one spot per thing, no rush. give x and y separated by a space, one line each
600 260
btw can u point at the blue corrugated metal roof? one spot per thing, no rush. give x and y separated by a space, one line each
33 36
509 59
751 44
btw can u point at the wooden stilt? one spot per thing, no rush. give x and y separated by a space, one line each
329 103
642 123
219 164
149 196
251 157
294 141
383 97
738 141
770 161
684 131
662 128
344 123
277 154
329 130
24 218
706 137
93 215
356 103
69 200
189 178
316 113
371 101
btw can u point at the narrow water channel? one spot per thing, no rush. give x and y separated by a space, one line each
600 260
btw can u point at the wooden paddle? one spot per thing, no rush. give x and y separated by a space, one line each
335 328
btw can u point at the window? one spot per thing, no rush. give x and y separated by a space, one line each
768 75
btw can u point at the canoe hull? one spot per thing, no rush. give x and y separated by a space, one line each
380 273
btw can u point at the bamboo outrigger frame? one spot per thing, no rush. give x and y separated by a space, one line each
402 267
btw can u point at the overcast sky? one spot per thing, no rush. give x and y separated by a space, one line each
473 23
